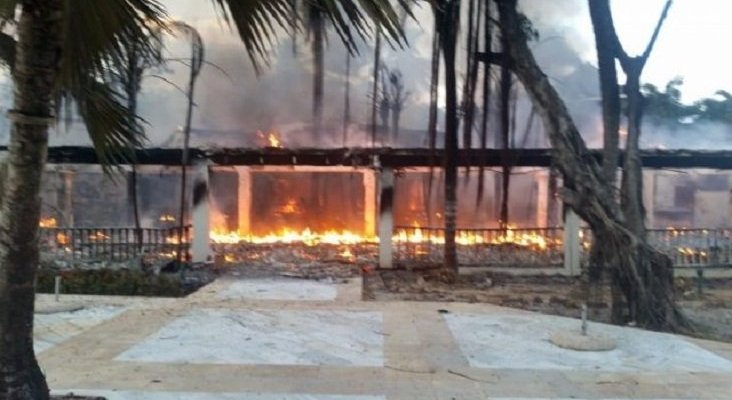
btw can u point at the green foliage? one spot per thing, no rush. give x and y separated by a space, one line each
664 107
111 282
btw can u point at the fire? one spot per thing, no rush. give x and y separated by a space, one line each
167 218
98 236
174 239
286 235
289 208
62 239
271 138
49 222
347 254
466 238
416 235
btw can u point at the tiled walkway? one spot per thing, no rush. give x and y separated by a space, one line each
291 340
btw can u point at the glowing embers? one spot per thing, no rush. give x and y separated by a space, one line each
167 218
291 207
530 238
287 235
48 222
270 139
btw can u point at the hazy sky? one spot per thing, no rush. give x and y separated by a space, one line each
693 45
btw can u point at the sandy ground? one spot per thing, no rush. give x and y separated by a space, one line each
555 295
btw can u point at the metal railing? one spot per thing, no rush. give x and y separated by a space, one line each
689 248
515 247
113 244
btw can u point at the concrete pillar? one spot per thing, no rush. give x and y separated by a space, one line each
244 199
649 196
67 176
542 199
386 218
571 243
201 246
369 202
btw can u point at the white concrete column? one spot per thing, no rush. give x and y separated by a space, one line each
571 243
369 202
201 246
244 199
542 198
386 218
649 196
67 175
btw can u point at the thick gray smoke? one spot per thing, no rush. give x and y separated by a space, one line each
233 102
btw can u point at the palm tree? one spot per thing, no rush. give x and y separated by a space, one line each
448 15
130 79
316 29
65 51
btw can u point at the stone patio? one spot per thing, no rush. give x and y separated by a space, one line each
304 340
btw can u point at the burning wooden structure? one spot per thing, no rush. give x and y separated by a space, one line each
381 206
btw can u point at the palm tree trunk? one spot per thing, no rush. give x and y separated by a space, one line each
36 69
375 87
449 25
132 88
506 82
317 24
347 100
487 47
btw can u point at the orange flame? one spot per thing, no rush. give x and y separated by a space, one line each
167 218
49 222
271 138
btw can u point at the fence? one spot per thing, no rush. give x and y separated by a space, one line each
113 244
543 247
689 248
525 247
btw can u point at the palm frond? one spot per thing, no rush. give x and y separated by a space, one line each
256 22
96 42
97 33
113 131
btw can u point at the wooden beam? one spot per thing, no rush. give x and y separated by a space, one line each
387 157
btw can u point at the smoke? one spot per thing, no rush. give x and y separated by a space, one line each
233 102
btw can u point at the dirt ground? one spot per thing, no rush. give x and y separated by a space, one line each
710 312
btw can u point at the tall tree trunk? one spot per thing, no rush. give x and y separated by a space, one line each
317 26
449 25
432 121
471 77
434 85
610 48
375 87
487 47
36 70
132 88
605 43
347 100
197 59
631 199
644 274
605 40
503 138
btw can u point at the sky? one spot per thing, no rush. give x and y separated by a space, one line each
691 45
